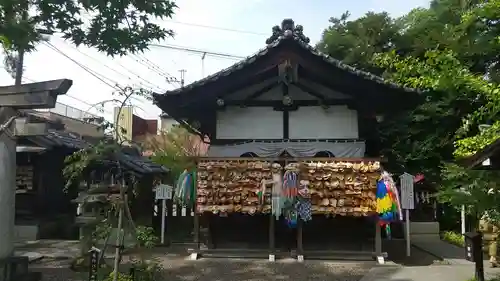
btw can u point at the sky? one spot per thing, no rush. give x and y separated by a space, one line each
232 27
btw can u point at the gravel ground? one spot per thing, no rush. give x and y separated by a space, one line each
231 270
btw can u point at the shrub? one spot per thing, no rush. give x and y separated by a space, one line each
453 238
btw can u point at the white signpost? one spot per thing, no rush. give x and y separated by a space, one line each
163 193
407 203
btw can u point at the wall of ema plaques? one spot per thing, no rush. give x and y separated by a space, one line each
335 187
341 188
232 186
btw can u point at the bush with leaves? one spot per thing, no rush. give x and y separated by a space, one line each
114 27
175 149
453 238
420 140
444 126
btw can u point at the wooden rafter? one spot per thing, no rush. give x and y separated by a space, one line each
232 88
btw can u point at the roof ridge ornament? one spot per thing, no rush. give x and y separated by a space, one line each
288 29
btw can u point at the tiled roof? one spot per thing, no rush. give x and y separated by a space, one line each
134 162
59 139
305 46
141 164
479 157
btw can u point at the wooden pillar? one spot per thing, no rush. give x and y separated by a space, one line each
272 221
196 231
378 243
300 246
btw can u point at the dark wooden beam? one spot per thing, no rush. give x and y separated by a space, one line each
286 113
310 91
296 103
223 91
368 93
262 91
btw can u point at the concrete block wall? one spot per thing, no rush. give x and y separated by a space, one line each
26 233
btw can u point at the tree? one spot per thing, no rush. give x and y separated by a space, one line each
114 27
175 149
478 37
445 25
445 126
422 139
79 168
355 42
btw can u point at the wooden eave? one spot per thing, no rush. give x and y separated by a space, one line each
475 160
314 64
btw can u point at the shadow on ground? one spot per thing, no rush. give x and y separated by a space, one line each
241 270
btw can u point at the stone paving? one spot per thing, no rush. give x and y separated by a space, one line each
420 267
237 270
426 273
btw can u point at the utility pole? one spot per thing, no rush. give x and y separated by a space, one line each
203 65
20 55
183 72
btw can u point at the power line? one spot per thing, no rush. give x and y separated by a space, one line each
153 67
88 70
199 51
116 71
219 28
70 96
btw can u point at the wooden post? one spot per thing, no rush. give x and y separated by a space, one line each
378 243
196 231
272 221
300 246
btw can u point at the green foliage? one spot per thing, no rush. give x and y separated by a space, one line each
470 145
144 271
146 237
113 27
464 186
478 36
121 277
174 149
355 42
446 50
419 140
453 238
76 164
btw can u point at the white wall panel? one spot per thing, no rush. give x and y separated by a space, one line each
314 122
249 123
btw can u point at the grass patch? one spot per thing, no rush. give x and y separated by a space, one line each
454 238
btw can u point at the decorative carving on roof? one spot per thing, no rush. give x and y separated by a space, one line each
288 29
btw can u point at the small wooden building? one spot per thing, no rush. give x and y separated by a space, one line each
289 103
43 208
